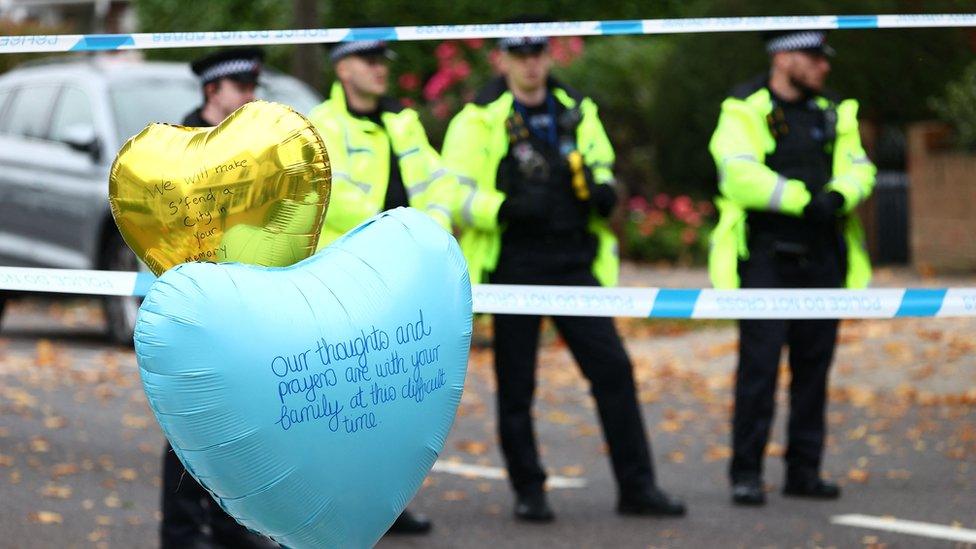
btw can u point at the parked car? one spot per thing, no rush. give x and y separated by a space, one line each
61 123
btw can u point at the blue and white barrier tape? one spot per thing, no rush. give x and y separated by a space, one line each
71 281
588 301
728 304
139 41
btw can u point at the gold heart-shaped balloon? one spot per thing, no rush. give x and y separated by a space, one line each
252 190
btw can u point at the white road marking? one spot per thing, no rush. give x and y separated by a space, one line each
915 528
497 473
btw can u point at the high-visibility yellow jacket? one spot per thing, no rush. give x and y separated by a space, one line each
359 151
740 145
475 144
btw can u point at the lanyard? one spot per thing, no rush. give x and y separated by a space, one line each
552 135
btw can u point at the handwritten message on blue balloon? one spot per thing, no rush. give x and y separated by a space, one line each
384 369
312 400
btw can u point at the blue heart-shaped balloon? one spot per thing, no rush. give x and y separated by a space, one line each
312 400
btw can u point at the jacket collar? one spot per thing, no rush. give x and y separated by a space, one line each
338 98
497 87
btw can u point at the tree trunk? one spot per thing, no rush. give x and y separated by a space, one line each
307 59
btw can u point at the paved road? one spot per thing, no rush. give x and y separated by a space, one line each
80 452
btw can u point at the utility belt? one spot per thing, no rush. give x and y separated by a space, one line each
547 253
786 249
558 239
536 160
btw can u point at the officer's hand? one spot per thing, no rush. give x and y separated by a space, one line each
527 204
823 207
603 198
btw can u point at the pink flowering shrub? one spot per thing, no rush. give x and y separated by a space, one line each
668 228
462 66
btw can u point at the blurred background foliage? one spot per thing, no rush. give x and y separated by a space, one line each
659 96
957 105
10 28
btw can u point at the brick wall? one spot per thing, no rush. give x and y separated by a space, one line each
942 201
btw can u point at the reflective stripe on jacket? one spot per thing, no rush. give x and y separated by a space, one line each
359 151
739 146
475 144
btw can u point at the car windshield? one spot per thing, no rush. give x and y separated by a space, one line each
138 102
289 91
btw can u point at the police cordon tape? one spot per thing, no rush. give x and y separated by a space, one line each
138 41
594 302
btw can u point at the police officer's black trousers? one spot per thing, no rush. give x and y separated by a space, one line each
597 348
188 507
811 349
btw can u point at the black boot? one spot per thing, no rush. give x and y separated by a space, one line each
230 534
809 485
748 492
196 542
410 523
533 506
242 538
650 502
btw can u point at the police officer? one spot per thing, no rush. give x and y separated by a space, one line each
229 78
536 187
191 518
792 170
380 155
380 158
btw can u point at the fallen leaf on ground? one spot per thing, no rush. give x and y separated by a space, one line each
63 469
560 418
859 476
472 447
669 426
45 517
128 474
55 422
106 462
135 422
721 349
19 397
716 452
857 433
572 470
774 449
39 445
59 491
45 353
586 430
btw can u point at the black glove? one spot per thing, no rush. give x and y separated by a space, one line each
823 207
525 205
603 198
